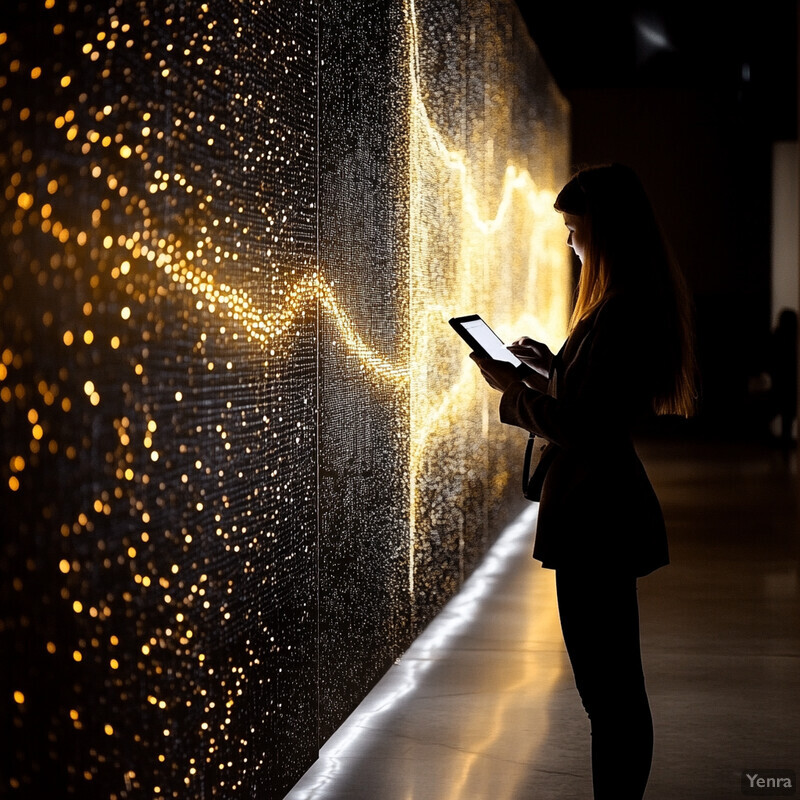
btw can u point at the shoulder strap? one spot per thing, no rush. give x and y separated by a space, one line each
526 467
532 447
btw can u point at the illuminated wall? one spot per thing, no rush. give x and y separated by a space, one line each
244 458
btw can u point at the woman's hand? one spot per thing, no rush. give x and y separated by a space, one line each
533 354
498 374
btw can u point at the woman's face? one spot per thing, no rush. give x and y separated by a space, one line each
578 238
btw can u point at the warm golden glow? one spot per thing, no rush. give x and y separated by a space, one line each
494 247
484 238
137 284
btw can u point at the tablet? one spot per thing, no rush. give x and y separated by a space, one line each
482 339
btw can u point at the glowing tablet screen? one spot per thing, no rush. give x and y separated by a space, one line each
483 339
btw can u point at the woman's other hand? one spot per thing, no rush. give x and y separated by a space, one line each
498 374
533 354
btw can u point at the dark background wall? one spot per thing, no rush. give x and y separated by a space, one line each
692 96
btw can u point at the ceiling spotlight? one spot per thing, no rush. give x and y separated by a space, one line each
651 36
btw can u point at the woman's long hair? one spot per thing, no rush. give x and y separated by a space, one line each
625 252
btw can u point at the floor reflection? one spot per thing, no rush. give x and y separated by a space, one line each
483 705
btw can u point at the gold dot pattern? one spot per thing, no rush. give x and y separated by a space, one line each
244 459
159 430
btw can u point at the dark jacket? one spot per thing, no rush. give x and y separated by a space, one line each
597 507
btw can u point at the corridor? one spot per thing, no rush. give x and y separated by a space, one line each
483 706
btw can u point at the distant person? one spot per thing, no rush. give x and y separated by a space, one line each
783 373
628 354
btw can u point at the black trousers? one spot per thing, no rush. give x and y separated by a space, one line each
600 622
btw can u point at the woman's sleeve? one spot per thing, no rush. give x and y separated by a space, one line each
532 410
601 390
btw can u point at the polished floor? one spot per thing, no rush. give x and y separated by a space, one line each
483 706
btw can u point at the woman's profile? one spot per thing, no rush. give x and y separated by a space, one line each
628 354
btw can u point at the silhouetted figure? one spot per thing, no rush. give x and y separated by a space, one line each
783 372
629 353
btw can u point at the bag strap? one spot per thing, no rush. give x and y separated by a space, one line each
526 467
551 390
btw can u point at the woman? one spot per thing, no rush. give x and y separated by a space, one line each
600 526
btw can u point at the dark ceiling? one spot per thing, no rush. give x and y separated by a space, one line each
745 54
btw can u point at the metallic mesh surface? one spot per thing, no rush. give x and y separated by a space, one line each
159 327
489 138
244 457
365 604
